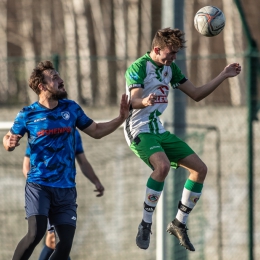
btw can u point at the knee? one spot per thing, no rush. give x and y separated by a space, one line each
203 171
163 168
34 236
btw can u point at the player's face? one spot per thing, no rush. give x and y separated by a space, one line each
166 56
55 85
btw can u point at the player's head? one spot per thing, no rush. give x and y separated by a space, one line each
165 45
45 79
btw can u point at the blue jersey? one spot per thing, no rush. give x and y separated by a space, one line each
51 140
78 149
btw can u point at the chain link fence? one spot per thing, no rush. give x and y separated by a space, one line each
107 226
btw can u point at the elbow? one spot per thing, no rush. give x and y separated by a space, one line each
197 99
97 136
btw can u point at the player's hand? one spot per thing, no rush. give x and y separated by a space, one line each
100 189
12 141
232 70
150 100
124 107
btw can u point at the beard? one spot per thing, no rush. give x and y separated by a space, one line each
59 95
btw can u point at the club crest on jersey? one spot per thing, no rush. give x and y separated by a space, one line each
65 115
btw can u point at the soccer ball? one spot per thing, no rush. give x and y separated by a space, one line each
209 21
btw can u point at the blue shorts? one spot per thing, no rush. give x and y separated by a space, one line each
58 204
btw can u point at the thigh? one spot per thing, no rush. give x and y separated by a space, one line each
63 209
145 145
175 148
37 199
192 162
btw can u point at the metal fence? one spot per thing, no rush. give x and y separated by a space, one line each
218 226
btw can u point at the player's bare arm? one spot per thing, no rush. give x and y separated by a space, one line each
10 141
26 166
88 171
199 93
138 102
99 130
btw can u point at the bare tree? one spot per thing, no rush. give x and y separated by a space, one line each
83 36
233 44
26 29
145 26
3 52
132 30
101 47
71 50
45 28
120 44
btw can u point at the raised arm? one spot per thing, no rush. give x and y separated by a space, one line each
99 130
88 171
199 93
10 141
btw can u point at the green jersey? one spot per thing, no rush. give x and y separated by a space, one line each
145 74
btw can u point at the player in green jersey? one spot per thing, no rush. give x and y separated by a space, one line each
148 82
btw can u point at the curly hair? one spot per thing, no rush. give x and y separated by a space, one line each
37 75
169 37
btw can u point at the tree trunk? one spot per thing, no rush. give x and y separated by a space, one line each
71 50
45 29
132 30
26 28
83 36
233 42
145 27
101 47
120 45
3 53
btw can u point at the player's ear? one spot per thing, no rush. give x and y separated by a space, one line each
41 86
157 50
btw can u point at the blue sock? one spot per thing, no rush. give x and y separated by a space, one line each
46 253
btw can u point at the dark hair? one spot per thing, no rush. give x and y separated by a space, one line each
37 75
169 37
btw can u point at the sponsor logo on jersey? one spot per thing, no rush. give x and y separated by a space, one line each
153 198
162 98
65 115
74 218
163 89
153 147
39 119
54 131
133 75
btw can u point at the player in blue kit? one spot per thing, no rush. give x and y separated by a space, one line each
50 191
87 170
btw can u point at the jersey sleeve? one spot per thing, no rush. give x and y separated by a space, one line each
19 126
27 151
135 75
177 77
79 147
82 121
